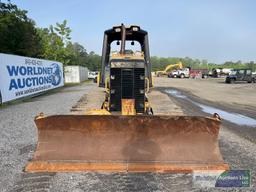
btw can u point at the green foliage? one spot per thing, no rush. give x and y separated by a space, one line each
57 45
159 63
55 42
17 32
251 65
20 36
81 57
63 31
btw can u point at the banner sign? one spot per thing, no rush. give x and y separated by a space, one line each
25 76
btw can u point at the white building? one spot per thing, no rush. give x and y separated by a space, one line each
75 74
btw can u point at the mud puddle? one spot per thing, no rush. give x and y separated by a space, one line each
236 118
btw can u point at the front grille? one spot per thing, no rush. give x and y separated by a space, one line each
139 89
127 83
115 89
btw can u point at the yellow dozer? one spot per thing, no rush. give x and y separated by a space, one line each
124 135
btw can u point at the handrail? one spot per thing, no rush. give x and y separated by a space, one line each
147 79
106 84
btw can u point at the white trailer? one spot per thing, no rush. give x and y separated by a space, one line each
75 74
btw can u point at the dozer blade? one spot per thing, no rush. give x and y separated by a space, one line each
68 143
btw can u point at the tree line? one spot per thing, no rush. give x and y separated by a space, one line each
20 35
159 63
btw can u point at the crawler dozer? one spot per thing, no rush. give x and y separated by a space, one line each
125 135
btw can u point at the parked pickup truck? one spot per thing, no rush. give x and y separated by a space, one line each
241 75
92 74
180 73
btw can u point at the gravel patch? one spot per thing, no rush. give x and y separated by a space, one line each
19 137
18 131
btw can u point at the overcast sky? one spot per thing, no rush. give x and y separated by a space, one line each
216 30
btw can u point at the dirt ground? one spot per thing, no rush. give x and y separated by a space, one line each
214 89
19 136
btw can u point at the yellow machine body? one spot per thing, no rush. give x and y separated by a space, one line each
125 135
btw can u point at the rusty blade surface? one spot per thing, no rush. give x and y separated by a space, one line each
124 143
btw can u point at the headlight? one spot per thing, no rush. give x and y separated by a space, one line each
135 29
117 30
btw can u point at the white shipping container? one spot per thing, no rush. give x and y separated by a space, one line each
25 76
75 74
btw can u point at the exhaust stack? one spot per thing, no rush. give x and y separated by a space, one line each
123 39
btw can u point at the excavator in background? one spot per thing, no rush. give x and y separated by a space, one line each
124 135
178 65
